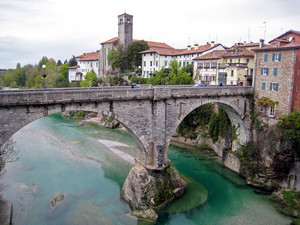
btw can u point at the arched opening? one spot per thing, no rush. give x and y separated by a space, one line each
65 145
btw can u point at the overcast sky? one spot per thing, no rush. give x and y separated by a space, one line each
31 29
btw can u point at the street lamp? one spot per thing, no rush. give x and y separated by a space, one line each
44 75
154 79
139 74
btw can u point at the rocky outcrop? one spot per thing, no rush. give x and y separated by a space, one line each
55 201
6 212
148 189
148 214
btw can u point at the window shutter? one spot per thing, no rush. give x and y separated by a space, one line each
275 71
262 71
277 86
267 71
266 57
263 86
279 57
273 58
270 86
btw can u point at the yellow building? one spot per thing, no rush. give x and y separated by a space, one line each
239 62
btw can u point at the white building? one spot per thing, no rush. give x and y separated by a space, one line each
85 63
157 58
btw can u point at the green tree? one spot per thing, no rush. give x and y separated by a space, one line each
73 61
118 58
290 129
90 80
133 52
43 61
63 79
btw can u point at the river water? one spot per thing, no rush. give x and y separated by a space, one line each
89 164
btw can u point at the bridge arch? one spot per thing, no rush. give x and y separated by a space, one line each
25 117
235 115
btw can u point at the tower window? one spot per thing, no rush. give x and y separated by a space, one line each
121 20
128 20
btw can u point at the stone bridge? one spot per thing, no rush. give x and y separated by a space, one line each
150 114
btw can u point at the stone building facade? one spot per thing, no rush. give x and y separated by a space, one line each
277 75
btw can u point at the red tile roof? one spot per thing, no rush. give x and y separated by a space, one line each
74 67
112 40
172 51
238 52
91 56
288 32
291 45
151 44
212 55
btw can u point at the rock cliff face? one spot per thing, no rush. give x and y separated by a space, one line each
148 189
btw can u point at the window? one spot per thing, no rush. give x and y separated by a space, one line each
166 63
150 63
264 71
274 44
272 110
156 63
232 73
277 57
263 85
147 74
165 56
183 64
274 86
275 72
207 64
200 64
213 64
144 73
180 64
247 60
128 20
265 57
150 54
121 20
144 63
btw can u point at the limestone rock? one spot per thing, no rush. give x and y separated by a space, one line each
6 211
147 189
148 214
57 200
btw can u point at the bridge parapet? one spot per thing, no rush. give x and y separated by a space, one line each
67 95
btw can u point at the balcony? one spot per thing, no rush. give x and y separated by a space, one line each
237 65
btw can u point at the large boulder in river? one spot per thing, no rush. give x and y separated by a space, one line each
57 200
148 189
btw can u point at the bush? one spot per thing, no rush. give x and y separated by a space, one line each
290 129
80 113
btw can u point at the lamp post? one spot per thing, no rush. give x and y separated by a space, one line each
140 74
246 75
44 75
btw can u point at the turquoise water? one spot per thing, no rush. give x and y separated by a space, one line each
57 155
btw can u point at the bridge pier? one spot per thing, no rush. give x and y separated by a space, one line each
146 188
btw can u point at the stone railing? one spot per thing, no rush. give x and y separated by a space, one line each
81 95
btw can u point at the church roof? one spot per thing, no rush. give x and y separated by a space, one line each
91 56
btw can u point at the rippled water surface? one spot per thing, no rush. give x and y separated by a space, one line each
89 165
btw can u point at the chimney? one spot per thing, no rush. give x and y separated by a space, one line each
196 46
212 43
261 43
189 47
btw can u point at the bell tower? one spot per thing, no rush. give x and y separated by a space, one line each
125 23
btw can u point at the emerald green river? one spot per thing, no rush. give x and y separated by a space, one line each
89 164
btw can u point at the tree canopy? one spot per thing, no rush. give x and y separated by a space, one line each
30 76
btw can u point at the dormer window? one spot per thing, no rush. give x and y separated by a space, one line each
274 44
